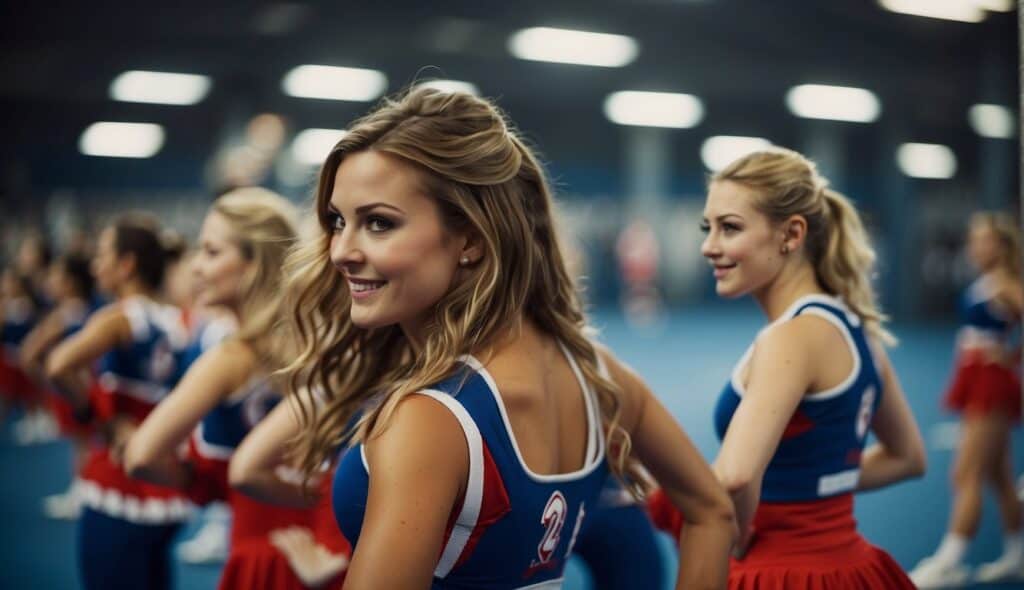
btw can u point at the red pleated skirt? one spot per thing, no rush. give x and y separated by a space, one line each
802 546
15 385
982 387
253 562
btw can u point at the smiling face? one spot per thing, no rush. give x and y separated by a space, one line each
390 241
219 266
741 243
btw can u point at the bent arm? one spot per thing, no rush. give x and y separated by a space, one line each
38 341
151 453
68 366
780 373
899 453
686 479
256 467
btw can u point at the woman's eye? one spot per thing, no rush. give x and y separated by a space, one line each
375 223
705 227
730 228
335 222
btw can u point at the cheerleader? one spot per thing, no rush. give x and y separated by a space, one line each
22 308
229 389
436 306
986 392
796 413
126 526
70 287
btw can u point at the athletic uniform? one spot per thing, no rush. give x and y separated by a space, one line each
618 543
514 528
805 536
19 316
127 525
981 385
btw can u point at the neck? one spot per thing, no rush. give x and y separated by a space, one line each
132 288
794 282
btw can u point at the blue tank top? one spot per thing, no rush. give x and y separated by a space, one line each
981 318
514 528
146 368
222 430
18 320
208 334
819 454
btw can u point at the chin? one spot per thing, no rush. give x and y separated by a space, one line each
728 291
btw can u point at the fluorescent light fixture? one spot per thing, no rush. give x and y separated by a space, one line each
992 120
653 109
573 47
836 103
967 11
452 86
721 150
995 5
334 83
311 146
121 140
159 87
926 160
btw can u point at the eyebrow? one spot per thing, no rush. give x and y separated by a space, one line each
725 216
364 208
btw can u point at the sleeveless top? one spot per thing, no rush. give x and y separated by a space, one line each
514 528
819 454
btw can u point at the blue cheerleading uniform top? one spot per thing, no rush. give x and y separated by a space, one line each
982 321
514 528
819 454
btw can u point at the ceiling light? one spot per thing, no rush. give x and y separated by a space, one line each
311 146
926 160
573 47
721 150
159 87
836 103
121 140
334 83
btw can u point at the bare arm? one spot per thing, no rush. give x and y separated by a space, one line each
687 480
418 467
69 363
899 453
151 451
255 468
780 373
39 340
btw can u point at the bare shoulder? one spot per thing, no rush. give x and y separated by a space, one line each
232 361
421 428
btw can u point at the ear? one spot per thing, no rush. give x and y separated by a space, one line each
126 266
794 232
472 249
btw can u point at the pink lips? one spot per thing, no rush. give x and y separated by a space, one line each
362 289
721 271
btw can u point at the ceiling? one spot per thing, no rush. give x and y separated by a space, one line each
738 56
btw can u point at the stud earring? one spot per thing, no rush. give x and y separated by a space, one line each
785 248
464 260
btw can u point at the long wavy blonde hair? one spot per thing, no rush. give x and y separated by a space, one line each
837 245
263 226
486 181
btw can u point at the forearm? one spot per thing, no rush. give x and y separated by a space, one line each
169 471
270 487
704 554
880 468
73 385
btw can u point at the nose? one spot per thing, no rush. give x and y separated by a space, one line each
709 247
345 249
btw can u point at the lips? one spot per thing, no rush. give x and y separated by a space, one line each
722 269
362 288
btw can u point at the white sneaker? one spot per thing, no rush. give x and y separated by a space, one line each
932 573
209 545
66 506
1003 569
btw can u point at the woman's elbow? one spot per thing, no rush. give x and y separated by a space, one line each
241 475
55 368
734 481
917 463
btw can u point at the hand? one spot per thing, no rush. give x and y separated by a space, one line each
121 429
313 563
739 551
